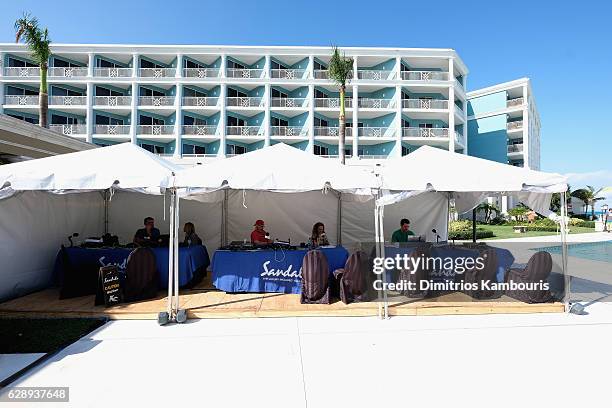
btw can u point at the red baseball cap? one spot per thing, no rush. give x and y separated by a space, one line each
260 222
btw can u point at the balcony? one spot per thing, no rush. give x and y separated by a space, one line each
155 129
22 100
243 131
459 138
200 130
371 103
424 132
201 101
321 74
68 100
113 100
424 104
68 72
458 84
244 73
514 102
201 72
424 76
289 102
331 131
333 103
288 73
113 72
245 102
515 148
157 72
375 75
374 132
288 131
22 72
69 129
517 125
112 129
156 100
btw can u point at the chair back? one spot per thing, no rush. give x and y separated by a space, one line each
315 275
355 272
539 266
142 279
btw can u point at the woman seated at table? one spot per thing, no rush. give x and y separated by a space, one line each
318 237
191 238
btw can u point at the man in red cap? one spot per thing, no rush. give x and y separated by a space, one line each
259 236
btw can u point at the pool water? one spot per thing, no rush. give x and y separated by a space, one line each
594 251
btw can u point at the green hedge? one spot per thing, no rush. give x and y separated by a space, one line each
467 234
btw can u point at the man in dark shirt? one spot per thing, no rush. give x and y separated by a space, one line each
149 235
402 234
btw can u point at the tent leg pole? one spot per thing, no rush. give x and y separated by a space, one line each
377 254
474 225
106 193
176 251
170 258
339 220
567 279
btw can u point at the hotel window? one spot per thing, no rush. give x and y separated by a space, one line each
321 151
150 92
148 120
425 125
13 90
350 124
405 123
234 65
404 68
189 121
405 95
107 120
57 91
102 63
101 91
319 67
192 93
13 62
149 64
233 121
193 149
153 149
277 65
234 149
234 93
320 122
191 64
24 118
60 63
63 120
278 94
279 122
405 151
319 94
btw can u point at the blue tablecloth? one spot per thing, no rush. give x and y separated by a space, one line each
266 270
89 260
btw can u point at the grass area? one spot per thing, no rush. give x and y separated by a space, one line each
42 335
506 231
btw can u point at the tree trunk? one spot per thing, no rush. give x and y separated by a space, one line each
341 126
43 99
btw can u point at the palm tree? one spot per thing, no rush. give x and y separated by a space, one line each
37 40
589 197
555 200
488 209
340 70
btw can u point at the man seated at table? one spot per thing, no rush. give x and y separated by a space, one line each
259 236
402 234
149 235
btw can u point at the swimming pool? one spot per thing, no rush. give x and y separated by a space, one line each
594 251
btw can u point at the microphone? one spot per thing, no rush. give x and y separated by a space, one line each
437 236
76 234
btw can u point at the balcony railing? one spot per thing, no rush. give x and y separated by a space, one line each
424 132
202 101
424 104
321 74
288 73
21 100
458 83
244 73
375 74
201 72
374 156
156 100
372 103
424 76
288 131
200 130
515 148
157 72
332 102
113 72
68 100
68 72
516 125
289 102
112 129
205 155
459 138
22 72
374 131
331 131
113 100
244 131
155 129
69 129
514 102
245 102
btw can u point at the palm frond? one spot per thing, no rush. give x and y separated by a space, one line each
340 67
28 30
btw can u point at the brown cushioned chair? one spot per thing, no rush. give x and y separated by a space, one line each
315 278
478 276
538 269
142 279
352 278
420 274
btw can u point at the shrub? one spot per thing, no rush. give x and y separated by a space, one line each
467 234
460 225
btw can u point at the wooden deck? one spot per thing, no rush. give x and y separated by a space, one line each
205 302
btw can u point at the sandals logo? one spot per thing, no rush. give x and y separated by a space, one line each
280 274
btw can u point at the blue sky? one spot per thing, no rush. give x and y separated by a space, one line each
565 49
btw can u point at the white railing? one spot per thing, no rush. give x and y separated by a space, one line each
515 148
424 132
244 131
374 103
459 138
516 125
373 156
288 102
514 102
155 129
458 83
112 129
244 73
156 100
21 100
331 156
424 76
69 129
245 102
288 131
200 101
375 74
205 155
113 100
374 131
288 73
113 72
331 131
332 102
459 108
424 104
157 72
22 72
68 72
200 130
321 74
201 72
68 100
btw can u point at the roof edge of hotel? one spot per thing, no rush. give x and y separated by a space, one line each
498 87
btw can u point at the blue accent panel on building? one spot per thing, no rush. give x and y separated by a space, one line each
487 138
487 103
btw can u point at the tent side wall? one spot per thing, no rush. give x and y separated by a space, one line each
33 225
